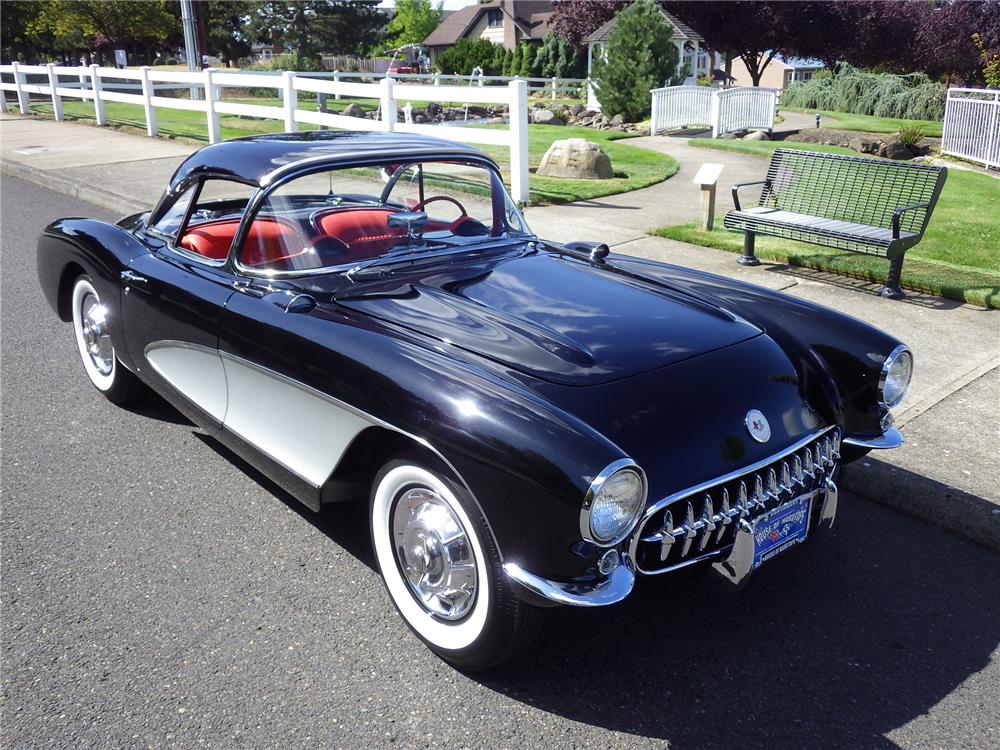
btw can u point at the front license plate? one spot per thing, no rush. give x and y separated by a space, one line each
781 528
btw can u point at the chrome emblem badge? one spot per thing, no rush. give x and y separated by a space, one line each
757 426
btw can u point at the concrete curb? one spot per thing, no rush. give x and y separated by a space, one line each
85 192
925 499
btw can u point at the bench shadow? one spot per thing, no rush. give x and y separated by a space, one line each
861 631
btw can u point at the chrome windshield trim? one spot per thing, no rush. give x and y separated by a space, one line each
609 590
748 469
891 438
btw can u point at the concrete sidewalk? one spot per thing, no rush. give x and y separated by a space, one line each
949 472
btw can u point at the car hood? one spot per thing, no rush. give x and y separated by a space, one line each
553 317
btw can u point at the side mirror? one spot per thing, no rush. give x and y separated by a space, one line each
414 221
596 251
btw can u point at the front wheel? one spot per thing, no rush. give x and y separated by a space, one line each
442 570
93 339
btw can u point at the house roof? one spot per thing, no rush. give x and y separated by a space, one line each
681 32
800 62
526 14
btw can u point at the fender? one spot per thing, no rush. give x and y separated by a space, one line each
826 350
96 248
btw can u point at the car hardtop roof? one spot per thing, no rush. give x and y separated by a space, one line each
253 158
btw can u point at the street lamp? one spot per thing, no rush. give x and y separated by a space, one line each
817 119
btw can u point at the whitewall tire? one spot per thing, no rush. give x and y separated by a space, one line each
91 321
441 568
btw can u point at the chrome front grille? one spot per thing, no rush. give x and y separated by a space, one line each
700 522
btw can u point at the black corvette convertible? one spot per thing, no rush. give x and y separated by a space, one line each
367 316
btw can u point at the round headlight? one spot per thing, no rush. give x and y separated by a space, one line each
896 374
614 503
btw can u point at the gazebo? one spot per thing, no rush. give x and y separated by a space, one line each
693 55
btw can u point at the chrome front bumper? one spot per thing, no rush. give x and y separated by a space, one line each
609 590
891 438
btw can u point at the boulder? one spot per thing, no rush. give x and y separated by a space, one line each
643 131
434 109
576 158
354 110
898 151
576 109
617 120
545 117
863 144
756 135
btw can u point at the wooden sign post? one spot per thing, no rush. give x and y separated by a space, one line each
706 179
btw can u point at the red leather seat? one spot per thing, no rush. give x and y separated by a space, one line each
268 241
211 239
365 231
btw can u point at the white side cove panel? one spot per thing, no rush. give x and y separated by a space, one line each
302 429
195 371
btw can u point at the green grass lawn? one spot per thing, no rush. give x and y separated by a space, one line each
958 257
634 167
872 124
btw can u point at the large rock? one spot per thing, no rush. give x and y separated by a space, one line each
354 110
545 117
756 135
576 158
434 109
896 150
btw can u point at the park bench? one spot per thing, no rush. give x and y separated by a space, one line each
872 206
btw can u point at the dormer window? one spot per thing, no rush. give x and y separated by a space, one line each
494 18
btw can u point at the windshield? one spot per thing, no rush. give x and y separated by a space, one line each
343 217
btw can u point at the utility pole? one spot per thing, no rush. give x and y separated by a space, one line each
191 51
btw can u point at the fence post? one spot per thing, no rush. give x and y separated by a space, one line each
336 80
95 83
388 105
22 96
713 113
214 134
480 78
518 116
57 110
437 78
555 82
147 102
83 85
291 98
654 113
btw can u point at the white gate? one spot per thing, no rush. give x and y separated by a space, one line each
725 110
972 125
680 106
743 108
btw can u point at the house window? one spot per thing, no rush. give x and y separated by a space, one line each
494 18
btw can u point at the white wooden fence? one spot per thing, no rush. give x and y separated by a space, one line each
106 85
724 110
972 125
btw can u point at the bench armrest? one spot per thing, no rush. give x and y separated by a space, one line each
738 185
898 213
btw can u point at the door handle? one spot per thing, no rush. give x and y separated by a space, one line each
300 303
132 277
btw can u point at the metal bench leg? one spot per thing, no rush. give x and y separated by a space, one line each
891 288
748 258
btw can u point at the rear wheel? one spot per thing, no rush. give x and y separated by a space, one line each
442 570
93 339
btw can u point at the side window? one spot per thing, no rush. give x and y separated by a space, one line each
215 218
280 238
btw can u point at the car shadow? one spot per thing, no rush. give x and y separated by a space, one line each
857 633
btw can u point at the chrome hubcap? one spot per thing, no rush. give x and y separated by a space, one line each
434 554
96 339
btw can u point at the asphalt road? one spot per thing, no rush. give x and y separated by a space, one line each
156 592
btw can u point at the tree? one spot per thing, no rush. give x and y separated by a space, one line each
118 24
640 57
226 22
312 27
413 21
527 58
574 20
467 54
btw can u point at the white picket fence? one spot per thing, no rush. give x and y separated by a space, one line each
106 85
724 110
972 125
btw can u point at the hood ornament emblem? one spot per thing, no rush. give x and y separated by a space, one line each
758 426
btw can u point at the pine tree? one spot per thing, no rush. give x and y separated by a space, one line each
640 57
515 64
527 58
508 60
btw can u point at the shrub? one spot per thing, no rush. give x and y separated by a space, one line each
908 97
909 135
467 54
640 57
556 57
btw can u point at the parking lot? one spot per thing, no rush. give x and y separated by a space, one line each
158 592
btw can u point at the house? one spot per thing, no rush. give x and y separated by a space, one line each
694 58
266 51
504 22
780 72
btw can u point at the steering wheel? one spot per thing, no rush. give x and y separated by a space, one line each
433 198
